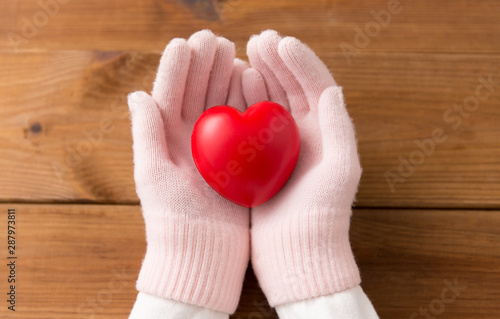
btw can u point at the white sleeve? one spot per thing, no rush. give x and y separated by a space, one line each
348 304
153 307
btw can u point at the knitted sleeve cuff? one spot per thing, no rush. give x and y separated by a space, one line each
195 260
304 258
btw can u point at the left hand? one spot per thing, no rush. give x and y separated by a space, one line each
198 242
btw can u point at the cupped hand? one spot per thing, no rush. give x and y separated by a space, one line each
193 75
300 246
198 242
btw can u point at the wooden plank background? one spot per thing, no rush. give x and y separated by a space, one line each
79 260
63 76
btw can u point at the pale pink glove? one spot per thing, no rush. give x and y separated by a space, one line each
300 238
198 242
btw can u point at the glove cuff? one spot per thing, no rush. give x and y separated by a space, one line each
305 257
195 260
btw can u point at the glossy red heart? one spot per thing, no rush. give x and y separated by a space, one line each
246 157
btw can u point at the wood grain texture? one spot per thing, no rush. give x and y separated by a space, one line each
65 141
65 124
77 261
422 26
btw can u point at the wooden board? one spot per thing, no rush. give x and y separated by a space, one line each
410 258
145 25
65 133
66 157
76 261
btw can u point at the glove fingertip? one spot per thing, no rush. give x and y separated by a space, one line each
240 64
137 98
331 101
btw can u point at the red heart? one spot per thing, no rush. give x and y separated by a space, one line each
246 157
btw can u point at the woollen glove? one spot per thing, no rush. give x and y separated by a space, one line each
197 241
300 238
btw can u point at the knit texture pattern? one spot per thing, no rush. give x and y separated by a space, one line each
300 238
197 241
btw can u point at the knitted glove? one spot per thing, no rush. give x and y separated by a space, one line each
197 241
300 241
